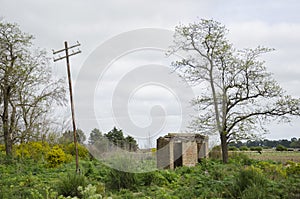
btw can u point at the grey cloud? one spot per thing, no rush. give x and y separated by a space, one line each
92 22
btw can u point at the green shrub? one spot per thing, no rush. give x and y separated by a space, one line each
254 192
118 180
89 192
147 178
244 148
159 179
293 168
232 148
279 147
82 151
259 148
256 148
272 170
215 153
252 148
248 180
241 159
69 184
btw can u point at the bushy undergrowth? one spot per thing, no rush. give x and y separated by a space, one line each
82 151
68 184
242 177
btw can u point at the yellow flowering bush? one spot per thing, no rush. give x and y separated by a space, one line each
56 156
34 150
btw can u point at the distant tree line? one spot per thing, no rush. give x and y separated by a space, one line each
104 142
293 143
112 139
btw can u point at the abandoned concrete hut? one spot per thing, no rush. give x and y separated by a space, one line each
180 149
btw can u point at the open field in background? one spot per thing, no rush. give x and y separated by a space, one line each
268 154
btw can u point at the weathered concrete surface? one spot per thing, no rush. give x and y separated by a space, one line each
180 149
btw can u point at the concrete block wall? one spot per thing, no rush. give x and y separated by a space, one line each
180 149
190 154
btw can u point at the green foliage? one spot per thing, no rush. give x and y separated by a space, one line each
250 179
272 170
256 148
232 148
267 144
242 177
56 156
130 144
89 192
116 138
295 143
240 159
95 136
293 168
118 180
82 151
244 148
279 147
68 137
69 184
215 153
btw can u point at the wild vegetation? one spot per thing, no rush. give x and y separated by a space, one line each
50 173
36 162
266 143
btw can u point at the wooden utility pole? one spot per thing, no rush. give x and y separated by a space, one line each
66 49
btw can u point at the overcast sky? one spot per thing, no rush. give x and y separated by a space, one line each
270 23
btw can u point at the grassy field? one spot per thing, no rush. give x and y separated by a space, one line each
277 156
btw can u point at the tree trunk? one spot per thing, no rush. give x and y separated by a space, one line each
224 147
5 122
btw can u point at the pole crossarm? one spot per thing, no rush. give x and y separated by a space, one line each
67 55
70 47
73 53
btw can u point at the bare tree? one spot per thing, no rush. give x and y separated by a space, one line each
27 88
241 95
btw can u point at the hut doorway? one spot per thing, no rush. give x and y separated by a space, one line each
177 152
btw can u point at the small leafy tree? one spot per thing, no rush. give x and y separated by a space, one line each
241 94
68 137
95 136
